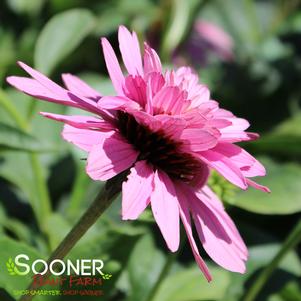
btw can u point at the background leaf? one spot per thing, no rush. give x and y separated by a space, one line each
60 36
284 182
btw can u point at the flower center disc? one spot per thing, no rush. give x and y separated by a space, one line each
158 149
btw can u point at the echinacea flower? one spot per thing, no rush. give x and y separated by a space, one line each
163 128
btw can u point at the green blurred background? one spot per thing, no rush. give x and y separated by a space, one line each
247 52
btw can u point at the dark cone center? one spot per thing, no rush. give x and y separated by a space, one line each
158 149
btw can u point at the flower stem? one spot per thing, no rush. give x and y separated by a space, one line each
293 239
103 200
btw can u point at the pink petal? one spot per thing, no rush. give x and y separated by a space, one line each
194 118
62 94
258 186
149 99
81 122
110 157
208 108
169 100
152 61
78 86
166 209
82 138
225 167
145 119
185 217
156 82
235 132
34 88
197 140
135 89
113 66
222 113
198 95
130 51
249 166
218 123
172 126
136 191
117 102
216 205
86 103
214 237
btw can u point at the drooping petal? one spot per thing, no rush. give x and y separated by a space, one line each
216 205
78 86
225 167
185 217
136 191
82 138
110 157
130 51
249 166
258 186
113 66
151 59
81 122
214 236
166 209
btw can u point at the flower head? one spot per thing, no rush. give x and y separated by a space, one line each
166 131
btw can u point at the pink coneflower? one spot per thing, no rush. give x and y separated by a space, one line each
163 128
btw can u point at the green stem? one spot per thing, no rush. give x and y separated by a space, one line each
293 239
103 200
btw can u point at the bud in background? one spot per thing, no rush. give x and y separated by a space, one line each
207 42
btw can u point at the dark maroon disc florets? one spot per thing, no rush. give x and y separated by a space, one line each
158 149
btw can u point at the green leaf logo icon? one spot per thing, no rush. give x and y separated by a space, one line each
106 276
11 268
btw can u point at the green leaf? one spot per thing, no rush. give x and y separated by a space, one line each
285 139
30 7
190 285
8 279
284 182
60 36
57 228
260 256
179 24
145 265
12 138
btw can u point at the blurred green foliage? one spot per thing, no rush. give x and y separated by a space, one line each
43 186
